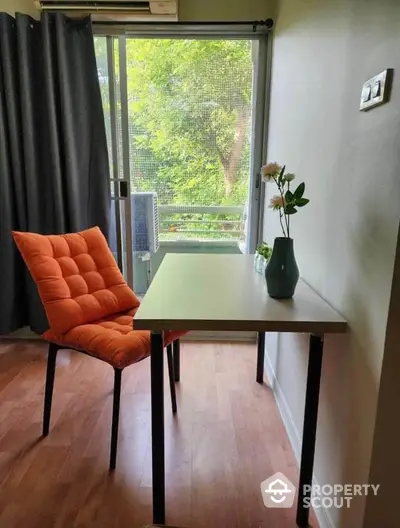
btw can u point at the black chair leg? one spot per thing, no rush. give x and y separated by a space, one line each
115 418
260 357
171 378
177 359
48 394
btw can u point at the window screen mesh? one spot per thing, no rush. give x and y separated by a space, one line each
189 121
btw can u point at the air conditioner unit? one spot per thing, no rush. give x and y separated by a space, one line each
114 10
145 225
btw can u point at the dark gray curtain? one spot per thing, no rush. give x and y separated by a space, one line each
53 153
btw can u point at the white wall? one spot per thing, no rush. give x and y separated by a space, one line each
345 239
223 10
21 6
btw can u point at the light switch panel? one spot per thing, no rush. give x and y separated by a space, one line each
376 90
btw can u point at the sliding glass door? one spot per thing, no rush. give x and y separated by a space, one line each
185 119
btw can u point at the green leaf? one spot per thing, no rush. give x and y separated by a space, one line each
280 177
298 193
264 250
301 202
290 209
289 197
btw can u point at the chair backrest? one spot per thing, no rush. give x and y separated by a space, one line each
78 279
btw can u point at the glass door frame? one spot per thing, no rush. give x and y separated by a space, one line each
260 113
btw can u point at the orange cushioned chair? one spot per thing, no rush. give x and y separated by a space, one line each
89 307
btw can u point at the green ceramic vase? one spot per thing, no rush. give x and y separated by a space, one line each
282 273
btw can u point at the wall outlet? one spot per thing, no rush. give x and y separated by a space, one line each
376 90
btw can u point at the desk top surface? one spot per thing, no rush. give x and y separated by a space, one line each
224 292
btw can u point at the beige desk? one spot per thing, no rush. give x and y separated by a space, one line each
224 292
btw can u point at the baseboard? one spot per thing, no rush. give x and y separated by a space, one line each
322 514
22 333
246 337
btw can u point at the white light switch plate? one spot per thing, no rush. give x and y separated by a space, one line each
376 90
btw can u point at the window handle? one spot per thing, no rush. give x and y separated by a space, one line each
119 189
123 189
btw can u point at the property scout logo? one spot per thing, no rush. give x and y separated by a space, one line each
278 492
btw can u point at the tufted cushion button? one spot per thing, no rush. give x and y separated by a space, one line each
68 266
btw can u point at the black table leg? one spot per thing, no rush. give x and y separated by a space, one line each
310 426
171 376
177 359
260 356
157 427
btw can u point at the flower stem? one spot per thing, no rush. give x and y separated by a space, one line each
280 219
280 188
288 216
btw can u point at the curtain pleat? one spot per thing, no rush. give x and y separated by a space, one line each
54 171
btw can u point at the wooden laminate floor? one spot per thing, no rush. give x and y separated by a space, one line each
225 440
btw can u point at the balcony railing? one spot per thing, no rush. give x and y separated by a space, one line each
180 222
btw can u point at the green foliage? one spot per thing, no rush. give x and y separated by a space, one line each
189 105
295 199
265 250
298 193
287 201
301 202
188 122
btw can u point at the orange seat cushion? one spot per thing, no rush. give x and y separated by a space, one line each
88 304
78 279
112 339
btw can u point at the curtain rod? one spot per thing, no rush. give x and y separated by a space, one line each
268 23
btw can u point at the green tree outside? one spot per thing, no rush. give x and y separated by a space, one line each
189 104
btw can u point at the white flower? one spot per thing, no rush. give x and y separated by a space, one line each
269 170
289 176
277 202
